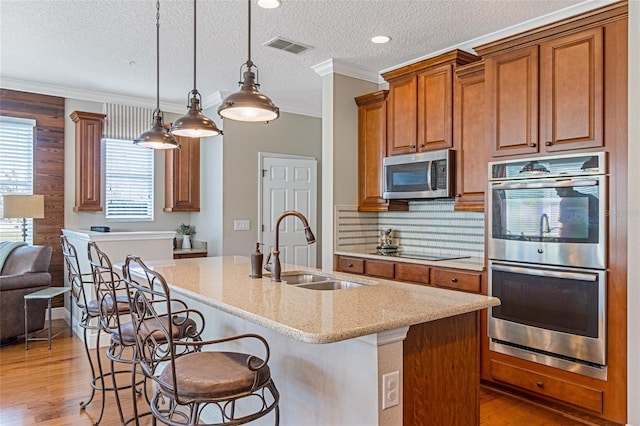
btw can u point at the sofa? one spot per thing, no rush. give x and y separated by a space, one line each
24 271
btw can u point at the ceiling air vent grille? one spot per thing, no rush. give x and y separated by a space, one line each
287 45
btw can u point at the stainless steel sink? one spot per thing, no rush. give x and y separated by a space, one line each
330 285
304 278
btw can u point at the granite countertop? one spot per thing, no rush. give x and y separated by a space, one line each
468 263
312 316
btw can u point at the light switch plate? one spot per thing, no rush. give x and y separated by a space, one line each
241 225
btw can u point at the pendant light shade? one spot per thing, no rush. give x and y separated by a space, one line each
248 104
194 123
157 137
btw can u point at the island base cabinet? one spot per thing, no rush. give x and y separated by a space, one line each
441 372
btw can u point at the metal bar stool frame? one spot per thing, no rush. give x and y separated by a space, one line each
161 357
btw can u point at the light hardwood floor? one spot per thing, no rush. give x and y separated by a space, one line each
45 387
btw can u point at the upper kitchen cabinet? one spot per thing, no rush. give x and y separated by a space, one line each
88 128
420 104
568 98
372 148
182 177
469 137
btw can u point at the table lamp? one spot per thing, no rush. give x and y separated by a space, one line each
23 206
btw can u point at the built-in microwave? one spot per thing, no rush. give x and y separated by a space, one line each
420 175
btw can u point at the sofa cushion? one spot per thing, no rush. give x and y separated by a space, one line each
26 259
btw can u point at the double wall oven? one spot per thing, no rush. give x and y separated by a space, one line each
547 252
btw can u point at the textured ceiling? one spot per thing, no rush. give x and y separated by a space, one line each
103 48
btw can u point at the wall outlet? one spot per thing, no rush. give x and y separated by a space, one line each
390 390
242 225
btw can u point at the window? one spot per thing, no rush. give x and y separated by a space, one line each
128 181
16 171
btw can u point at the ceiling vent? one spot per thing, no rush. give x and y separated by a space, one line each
287 45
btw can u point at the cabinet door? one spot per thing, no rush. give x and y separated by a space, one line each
379 268
182 177
401 125
512 89
353 265
456 280
471 143
435 99
571 88
88 127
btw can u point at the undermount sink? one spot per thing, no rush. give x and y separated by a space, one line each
304 278
330 285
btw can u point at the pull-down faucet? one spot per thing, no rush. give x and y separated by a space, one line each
274 265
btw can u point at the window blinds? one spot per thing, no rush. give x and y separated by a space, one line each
128 181
16 171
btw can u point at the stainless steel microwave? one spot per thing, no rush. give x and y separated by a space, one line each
420 175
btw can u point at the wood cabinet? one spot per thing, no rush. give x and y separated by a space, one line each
568 99
470 139
453 279
582 104
88 128
372 148
182 177
420 104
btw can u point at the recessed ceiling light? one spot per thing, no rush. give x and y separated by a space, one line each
269 4
381 39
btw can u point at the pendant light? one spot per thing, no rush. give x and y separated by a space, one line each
248 104
194 123
158 137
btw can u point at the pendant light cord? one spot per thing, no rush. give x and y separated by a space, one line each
194 46
249 63
158 55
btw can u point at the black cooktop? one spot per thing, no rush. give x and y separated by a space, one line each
433 257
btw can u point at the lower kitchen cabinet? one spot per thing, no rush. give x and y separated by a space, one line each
548 386
452 279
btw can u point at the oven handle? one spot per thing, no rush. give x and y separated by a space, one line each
548 184
429 171
544 273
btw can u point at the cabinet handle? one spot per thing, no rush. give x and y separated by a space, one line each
421 145
540 385
548 143
412 146
454 280
350 265
532 145
458 195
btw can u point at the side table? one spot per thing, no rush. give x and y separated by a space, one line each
46 293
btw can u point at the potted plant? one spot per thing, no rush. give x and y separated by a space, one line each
186 231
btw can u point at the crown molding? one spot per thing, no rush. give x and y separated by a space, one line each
88 95
549 18
336 66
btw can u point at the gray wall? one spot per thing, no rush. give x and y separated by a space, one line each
84 220
291 134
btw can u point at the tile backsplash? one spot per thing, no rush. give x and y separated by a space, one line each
428 227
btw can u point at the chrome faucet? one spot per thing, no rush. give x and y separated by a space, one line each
274 265
544 225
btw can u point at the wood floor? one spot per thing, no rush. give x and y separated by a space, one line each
45 387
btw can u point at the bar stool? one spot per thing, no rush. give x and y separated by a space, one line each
87 307
113 304
237 386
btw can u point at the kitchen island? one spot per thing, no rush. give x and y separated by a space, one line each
330 349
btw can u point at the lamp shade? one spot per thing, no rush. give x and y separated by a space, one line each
194 123
248 104
23 206
157 137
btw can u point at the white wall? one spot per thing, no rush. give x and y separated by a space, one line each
83 220
633 327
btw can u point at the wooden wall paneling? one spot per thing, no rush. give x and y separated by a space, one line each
48 111
88 161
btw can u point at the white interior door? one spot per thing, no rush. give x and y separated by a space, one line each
289 183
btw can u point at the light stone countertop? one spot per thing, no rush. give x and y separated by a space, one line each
312 316
468 263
